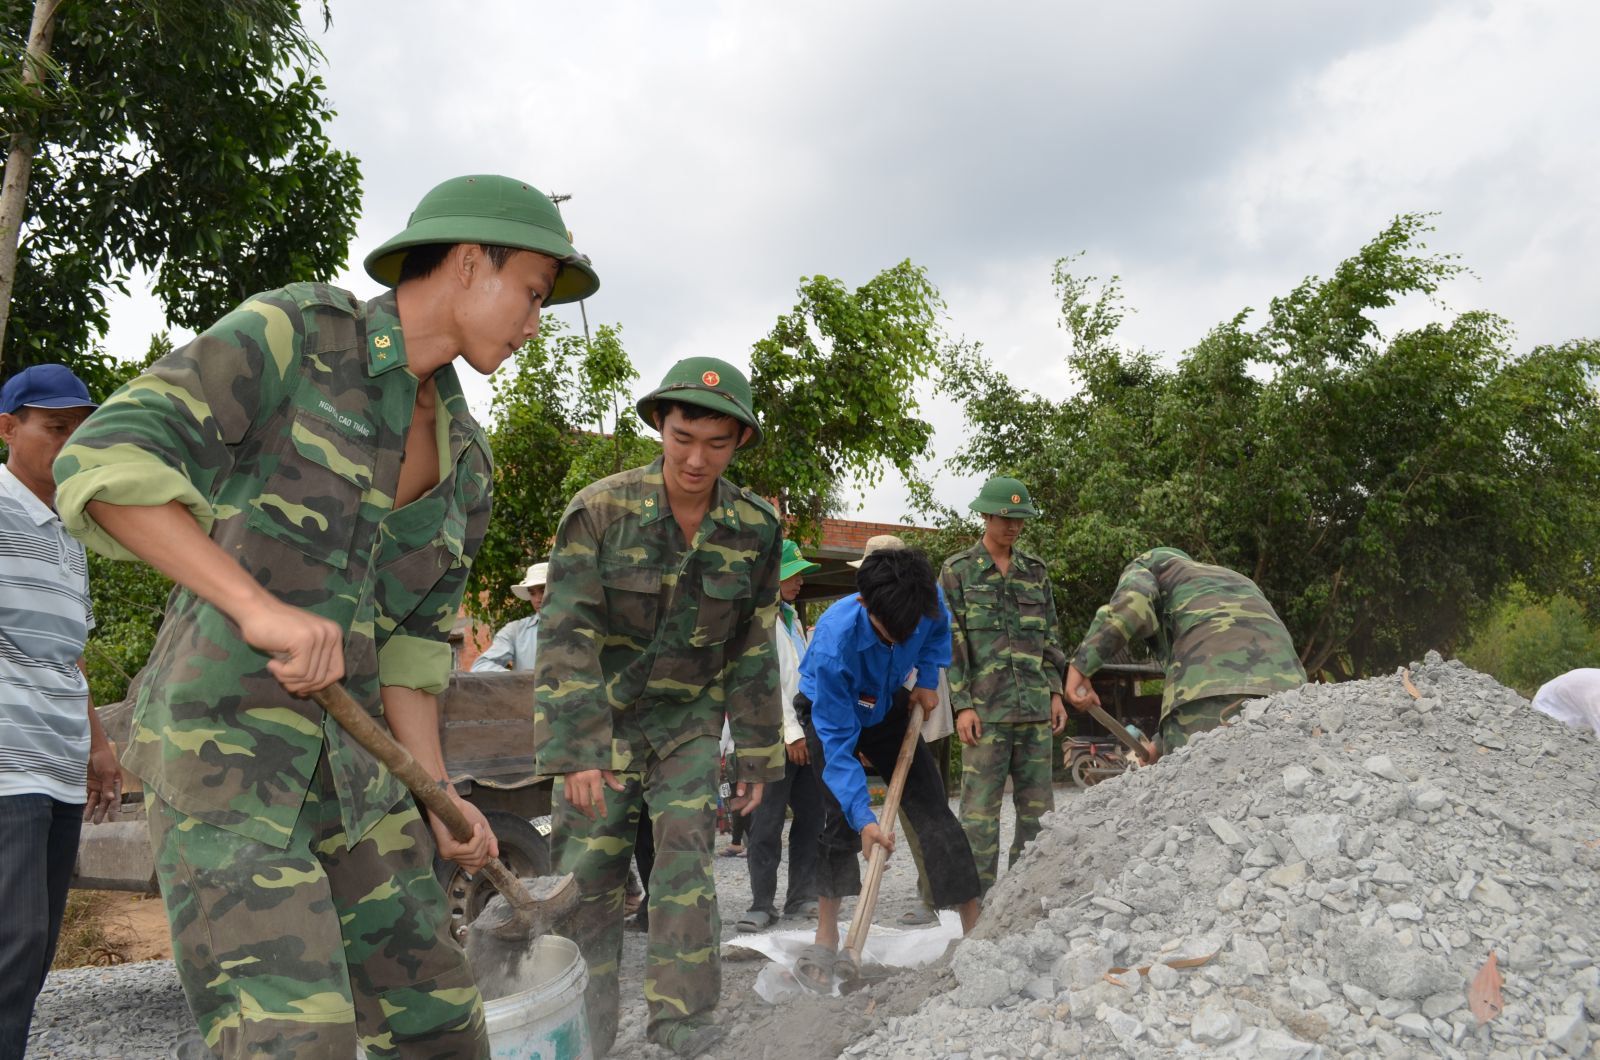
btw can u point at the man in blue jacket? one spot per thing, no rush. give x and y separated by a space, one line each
853 700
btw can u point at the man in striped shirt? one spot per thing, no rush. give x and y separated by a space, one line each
56 767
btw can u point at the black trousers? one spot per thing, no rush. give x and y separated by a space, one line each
951 872
39 838
797 790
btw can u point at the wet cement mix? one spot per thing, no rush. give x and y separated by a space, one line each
1402 866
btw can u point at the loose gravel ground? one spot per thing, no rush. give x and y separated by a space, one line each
137 1012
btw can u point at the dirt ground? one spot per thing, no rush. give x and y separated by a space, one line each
138 925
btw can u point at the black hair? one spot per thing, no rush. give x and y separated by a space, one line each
690 411
425 260
898 588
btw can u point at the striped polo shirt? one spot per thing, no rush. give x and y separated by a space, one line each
45 616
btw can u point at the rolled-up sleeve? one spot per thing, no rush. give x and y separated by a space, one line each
166 434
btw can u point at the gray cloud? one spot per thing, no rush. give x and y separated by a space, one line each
1212 154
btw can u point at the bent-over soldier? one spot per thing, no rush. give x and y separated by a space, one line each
658 622
309 474
1006 666
1218 639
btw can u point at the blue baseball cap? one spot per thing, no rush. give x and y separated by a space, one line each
45 386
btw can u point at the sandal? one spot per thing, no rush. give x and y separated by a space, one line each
732 850
755 920
919 917
813 969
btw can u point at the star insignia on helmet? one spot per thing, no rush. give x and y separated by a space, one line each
1016 498
711 378
382 342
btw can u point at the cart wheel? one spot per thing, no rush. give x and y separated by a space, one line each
522 849
1092 769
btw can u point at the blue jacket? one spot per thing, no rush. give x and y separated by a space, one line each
851 677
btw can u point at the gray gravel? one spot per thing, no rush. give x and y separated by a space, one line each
1346 856
137 1011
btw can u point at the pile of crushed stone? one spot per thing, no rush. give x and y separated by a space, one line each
1347 856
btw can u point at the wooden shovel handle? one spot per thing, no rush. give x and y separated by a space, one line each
369 734
856 939
1125 738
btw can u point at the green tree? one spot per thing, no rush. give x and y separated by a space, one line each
1525 640
561 418
1379 490
182 137
834 385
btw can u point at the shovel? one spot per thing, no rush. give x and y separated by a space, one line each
502 934
855 940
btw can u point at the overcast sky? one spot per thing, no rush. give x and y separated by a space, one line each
1212 154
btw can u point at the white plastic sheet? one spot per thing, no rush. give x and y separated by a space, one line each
1573 698
889 946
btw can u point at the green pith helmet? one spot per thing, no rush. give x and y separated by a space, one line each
1007 497
794 562
708 382
491 210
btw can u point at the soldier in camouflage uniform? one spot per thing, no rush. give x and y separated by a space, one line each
308 472
1005 675
1218 638
658 622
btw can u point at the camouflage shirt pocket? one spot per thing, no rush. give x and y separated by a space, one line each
1032 607
311 498
722 598
633 598
418 544
983 609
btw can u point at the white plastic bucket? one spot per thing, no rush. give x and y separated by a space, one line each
546 1021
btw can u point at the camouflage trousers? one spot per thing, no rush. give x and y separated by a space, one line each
683 970
1021 751
1197 716
302 952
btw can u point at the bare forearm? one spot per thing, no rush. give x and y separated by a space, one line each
167 537
413 717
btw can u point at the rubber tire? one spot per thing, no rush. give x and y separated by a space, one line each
1085 763
523 850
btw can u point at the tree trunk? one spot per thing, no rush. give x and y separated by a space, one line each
19 163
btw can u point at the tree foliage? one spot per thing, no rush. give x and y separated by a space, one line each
1380 490
181 137
561 418
834 385
1525 640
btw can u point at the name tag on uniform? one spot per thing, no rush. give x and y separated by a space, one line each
867 703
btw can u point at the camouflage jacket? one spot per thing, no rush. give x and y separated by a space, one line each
281 428
647 643
1210 628
1005 652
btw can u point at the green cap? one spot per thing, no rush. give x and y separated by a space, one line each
794 563
492 210
709 383
1007 497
